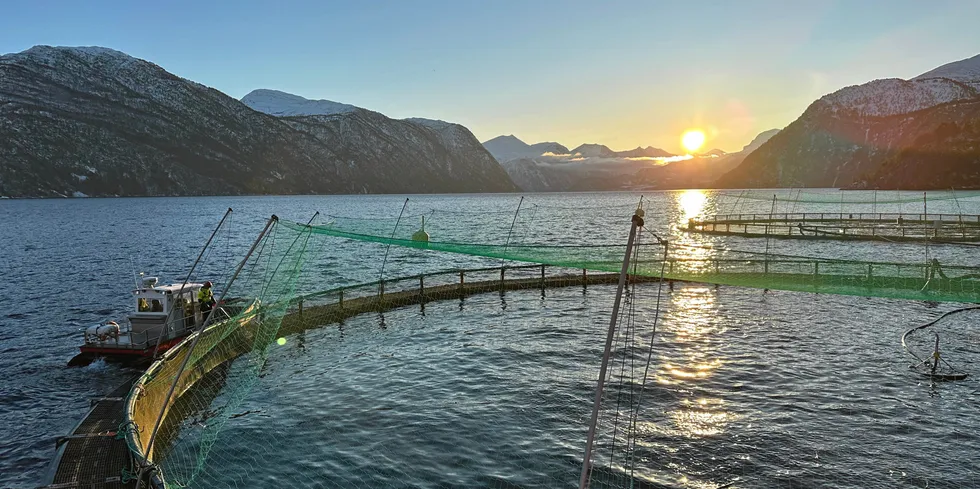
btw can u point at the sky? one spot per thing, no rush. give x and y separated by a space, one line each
619 73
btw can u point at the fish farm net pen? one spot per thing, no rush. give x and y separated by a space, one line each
408 397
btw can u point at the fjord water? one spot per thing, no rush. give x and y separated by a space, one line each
787 373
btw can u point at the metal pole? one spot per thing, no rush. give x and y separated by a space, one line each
163 408
771 210
189 273
381 275
590 440
507 243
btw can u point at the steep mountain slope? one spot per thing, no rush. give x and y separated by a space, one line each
413 155
98 122
93 121
374 147
945 151
844 138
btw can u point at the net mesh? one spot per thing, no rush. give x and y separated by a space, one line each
483 373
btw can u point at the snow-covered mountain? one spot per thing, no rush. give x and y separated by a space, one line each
274 102
591 150
892 96
94 121
845 138
964 71
549 147
506 148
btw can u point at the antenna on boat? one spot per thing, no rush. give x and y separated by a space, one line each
136 276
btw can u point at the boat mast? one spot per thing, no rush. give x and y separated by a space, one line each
147 453
637 222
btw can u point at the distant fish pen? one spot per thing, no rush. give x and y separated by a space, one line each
891 227
844 216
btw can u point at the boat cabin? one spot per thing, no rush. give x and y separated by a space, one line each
161 316
156 306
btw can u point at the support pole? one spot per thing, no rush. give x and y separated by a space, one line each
173 386
189 273
511 232
381 274
637 222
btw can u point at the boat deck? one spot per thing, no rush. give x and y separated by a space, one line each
92 456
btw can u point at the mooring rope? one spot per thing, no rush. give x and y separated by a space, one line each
907 333
653 335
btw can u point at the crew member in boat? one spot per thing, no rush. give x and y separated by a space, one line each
206 298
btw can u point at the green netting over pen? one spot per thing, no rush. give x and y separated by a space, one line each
925 280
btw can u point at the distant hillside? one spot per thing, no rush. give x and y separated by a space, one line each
595 167
92 121
648 152
548 147
884 134
759 140
594 150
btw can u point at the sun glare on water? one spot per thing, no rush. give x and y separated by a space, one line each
692 140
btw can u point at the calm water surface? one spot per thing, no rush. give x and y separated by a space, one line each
764 390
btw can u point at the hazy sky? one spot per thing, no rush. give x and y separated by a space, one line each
622 73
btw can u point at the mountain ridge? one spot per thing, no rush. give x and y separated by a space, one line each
872 135
96 122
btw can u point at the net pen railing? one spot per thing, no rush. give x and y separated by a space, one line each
229 339
894 217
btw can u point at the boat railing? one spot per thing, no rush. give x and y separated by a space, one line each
149 338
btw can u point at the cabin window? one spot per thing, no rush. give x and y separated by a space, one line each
156 305
142 305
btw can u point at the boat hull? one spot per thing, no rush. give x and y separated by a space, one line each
91 353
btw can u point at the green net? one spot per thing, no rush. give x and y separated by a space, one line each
470 359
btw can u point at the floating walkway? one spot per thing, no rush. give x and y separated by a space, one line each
894 227
95 454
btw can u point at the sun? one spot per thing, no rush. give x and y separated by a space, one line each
692 140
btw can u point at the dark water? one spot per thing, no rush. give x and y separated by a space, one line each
769 390
760 390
